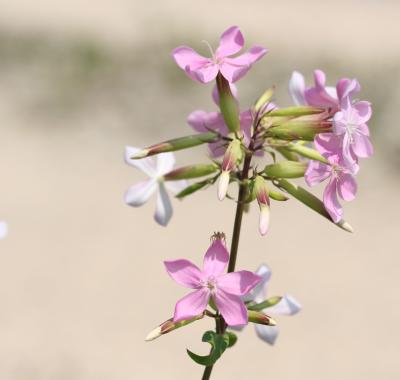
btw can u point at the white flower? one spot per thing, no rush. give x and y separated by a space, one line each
155 168
286 306
3 229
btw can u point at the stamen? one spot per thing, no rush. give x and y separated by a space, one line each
209 47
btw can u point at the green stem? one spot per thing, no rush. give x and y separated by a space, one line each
220 323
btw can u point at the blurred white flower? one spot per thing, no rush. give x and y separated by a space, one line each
155 168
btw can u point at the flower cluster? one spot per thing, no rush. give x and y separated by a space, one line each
321 137
344 145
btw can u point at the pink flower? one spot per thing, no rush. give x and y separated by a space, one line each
224 289
341 182
139 194
202 121
205 70
321 95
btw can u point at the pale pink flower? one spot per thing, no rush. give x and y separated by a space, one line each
286 306
225 289
140 193
341 182
205 70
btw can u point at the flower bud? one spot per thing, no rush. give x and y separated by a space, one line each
286 169
191 171
296 111
299 129
261 192
233 155
260 318
307 152
264 99
177 144
169 326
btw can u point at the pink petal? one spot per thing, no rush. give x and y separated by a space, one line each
235 68
268 334
216 258
204 74
347 187
319 96
3 229
331 202
230 43
362 146
184 272
347 88
147 165
286 306
317 172
328 144
238 283
296 88
139 194
196 66
364 111
202 121
163 211
231 307
339 123
192 304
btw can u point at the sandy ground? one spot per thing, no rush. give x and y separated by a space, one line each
81 275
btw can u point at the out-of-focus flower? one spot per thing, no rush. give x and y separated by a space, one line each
225 289
140 193
205 70
285 305
341 182
3 229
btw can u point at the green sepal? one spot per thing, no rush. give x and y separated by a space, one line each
299 130
228 104
194 187
219 344
295 111
307 152
265 304
177 144
277 196
191 171
286 169
264 99
311 201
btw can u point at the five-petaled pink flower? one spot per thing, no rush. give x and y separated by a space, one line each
205 70
341 182
225 289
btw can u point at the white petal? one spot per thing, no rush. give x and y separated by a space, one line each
140 193
3 229
146 165
267 333
286 306
296 88
259 293
176 187
165 163
163 208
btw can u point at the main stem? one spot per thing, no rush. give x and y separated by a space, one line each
220 323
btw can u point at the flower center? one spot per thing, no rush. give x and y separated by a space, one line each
350 129
210 283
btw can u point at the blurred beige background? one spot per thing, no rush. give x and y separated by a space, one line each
81 274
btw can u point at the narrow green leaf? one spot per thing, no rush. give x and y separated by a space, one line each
219 344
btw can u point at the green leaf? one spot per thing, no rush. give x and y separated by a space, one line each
219 344
232 338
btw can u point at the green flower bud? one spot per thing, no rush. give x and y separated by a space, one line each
299 129
177 144
264 99
260 318
191 171
286 169
228 105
